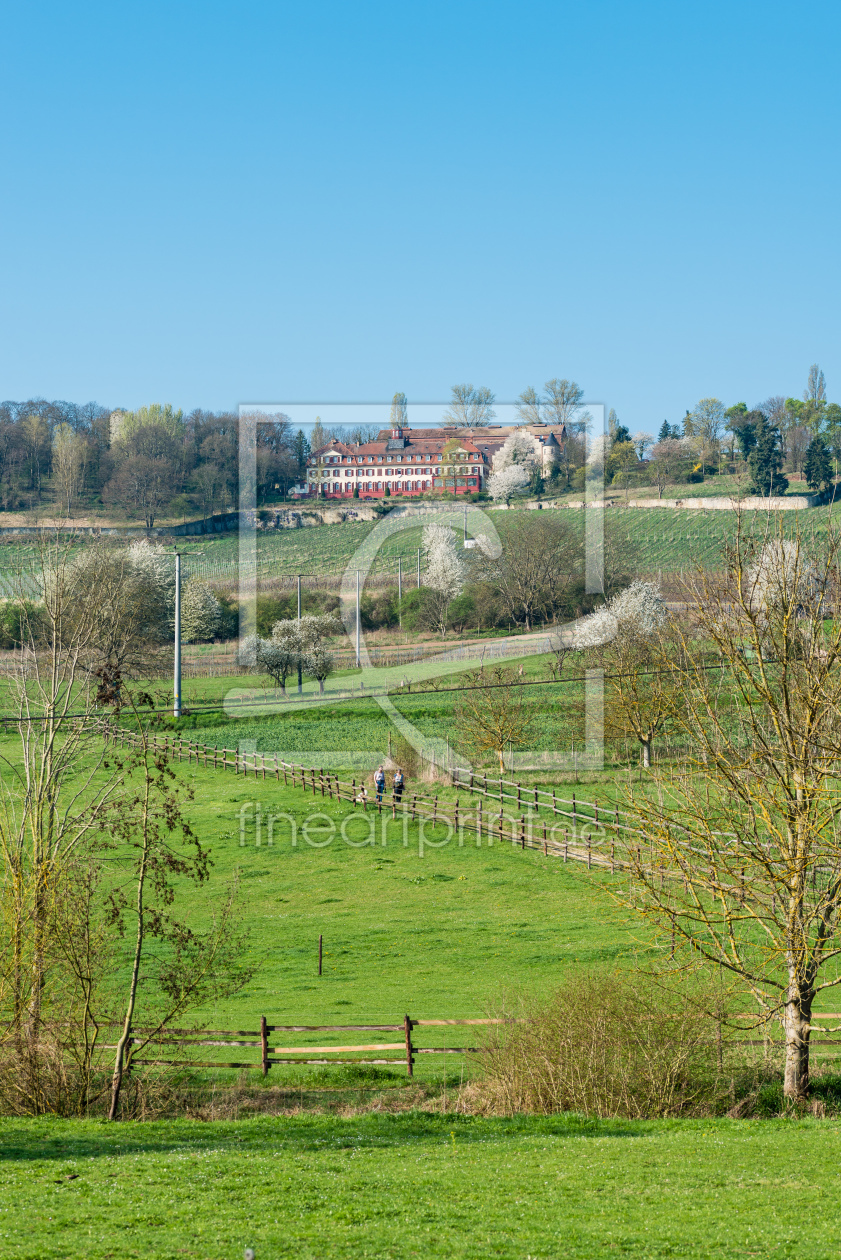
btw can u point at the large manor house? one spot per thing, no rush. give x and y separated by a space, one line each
417 461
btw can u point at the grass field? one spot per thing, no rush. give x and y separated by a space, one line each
440 932
662 539
659 540
390 1187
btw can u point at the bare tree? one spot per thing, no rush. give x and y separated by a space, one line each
173 965
470 407
36 435
399 412
563 400
668 459
535 568
739 856
815 391
530 406
68 458
492 714
562 406
56 790
147 476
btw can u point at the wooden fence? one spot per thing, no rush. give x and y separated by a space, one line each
268 1055
571 829
402 1052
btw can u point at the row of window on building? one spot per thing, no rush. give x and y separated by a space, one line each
396 487
391 472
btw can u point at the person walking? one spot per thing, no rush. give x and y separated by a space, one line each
398 784
379 784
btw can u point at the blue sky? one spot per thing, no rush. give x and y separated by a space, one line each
212 204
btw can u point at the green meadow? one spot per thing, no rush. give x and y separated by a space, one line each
660 539
395 1186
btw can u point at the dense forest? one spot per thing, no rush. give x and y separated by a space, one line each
142 465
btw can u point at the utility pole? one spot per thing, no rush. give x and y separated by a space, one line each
300 676
176 704
419 551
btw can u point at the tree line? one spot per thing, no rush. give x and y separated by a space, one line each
148 463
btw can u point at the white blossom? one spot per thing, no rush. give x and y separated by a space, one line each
157 567
638 610
782 575
598 450
318 662
445 571
643 442
517 449
512 480
201 612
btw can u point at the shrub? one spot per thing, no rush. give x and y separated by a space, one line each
606 1045
229 617
378 610
461 612
20 623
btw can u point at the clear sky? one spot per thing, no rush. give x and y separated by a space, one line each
217 203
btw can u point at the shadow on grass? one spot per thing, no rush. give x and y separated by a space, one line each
46 1138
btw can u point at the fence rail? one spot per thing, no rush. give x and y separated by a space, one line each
580 823
271 1055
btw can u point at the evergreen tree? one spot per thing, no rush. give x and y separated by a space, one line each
621 434
665 432
817 466
765 460
301 451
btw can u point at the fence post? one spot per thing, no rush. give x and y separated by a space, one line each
522 831
264 1044
410 1052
